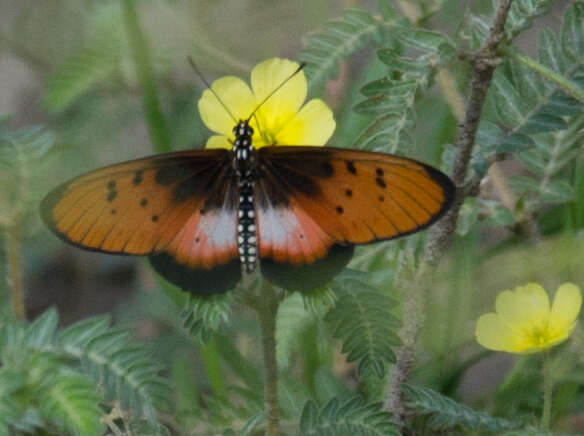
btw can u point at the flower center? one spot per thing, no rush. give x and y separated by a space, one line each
539 335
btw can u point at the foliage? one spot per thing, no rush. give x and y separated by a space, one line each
446 414
335 41
21 162
392 66
351 418
201 317
59 378
362 318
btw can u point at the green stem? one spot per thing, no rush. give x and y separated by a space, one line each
211 360
14 273
547 391
159 133
566 85
267 310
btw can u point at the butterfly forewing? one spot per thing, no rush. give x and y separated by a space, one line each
332 196
137 207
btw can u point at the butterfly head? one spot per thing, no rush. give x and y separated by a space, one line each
243 130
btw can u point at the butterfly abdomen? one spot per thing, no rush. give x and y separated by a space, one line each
244 163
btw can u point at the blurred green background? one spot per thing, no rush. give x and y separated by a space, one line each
66 66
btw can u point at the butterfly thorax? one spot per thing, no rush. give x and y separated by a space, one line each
243 163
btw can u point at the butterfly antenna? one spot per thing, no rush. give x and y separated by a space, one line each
198 72
300 67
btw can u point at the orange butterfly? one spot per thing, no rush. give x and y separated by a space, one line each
204 215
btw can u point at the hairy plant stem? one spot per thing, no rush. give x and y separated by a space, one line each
483 63
267 308
14 276
157 129
547 391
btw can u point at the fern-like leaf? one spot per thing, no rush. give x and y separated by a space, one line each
126 372
527 103
352 418
335 41
552 153
72 402
446 414
202 316
391 101
522 14
363 320
475 28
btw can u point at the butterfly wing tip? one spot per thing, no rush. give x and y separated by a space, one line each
448 188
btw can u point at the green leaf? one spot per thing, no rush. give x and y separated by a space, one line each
392 101
203 315
522 14
337 40
42 330
547 161
528 103
126 372
292 319
363 320
386 133
72 402
572 33
446 414
351 418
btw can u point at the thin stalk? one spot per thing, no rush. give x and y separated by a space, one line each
14 273
211 361
484 63
566 85
267 310
159 133
547 391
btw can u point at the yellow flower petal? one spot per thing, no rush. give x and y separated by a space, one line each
236 96
218 141
493 333
524 322
565 308
313 125
528 304
278 109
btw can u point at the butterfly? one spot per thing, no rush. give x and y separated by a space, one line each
203 217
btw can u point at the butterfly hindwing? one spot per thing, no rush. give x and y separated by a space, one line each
181 207
341 197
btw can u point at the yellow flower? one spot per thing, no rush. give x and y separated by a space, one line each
524 322
282 119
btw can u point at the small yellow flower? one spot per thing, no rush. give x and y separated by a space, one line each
282 119
524 322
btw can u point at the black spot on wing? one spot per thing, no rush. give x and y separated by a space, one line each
351 167
138 177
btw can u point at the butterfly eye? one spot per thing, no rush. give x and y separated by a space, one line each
249 131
